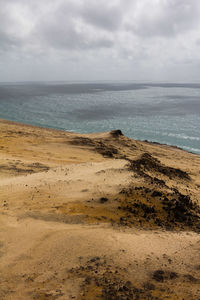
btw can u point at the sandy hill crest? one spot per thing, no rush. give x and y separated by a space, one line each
96 216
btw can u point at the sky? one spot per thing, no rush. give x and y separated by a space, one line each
89 40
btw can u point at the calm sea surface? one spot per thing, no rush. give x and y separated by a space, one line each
164 113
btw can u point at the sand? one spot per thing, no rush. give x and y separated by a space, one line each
96 216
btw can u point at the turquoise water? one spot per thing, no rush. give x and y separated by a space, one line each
164 113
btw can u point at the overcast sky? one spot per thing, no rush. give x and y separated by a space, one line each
100 40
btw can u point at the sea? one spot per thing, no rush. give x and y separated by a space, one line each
167 113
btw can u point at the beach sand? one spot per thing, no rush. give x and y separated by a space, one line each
96 216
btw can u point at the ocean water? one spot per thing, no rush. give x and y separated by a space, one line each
165 113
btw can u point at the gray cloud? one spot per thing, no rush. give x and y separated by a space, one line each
102 15
165 18
11 37
90 39
64 27
66 35
8 43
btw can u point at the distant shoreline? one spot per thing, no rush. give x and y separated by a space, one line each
5 121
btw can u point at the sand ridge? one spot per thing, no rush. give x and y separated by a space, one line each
96 216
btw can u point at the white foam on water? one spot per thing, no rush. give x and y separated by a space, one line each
190 149
182 136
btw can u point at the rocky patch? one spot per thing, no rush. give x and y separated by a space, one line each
96 145
102 280
116 133
148 163
19 168
161 276
148 208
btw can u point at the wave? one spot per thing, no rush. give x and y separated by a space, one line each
182 136
190 149
170 134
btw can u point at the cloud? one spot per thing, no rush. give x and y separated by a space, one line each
102 14
14 25
165 18
64 28
111 39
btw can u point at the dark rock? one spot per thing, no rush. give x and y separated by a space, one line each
159 275
156 194
149 286
159 181
116 133
173 275
103 199
191 278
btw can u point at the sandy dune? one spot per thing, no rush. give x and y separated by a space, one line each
96 216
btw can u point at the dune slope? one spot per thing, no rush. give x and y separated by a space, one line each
96 216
